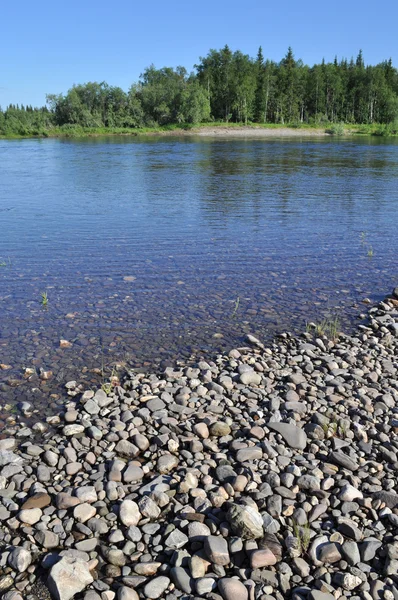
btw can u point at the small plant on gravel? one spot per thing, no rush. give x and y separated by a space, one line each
325 427
329 429
44 298
303 535
370 251
4 262
236 306
342 429
107 386
328 327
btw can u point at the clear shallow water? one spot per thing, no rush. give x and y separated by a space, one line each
285 226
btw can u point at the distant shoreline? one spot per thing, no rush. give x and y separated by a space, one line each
256 132
230 130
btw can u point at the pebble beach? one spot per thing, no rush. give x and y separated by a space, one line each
265 473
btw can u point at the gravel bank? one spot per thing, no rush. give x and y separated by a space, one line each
269 473
257 132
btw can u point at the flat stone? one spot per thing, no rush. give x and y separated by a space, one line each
47 539
250 378
351 552
127 449
8 444
114 556
91 407
349 528
147 569
368 549
201 430
216 549
293 436
84 512
149 508
38 500
87 494
30 515
232 589
262 558
245 521
132 474
300 566
129 513
341 459
65 501
198 531
318 595
219 429
309 482
205 585
329 553
390 499
73 429
177 539
181 579
68 577
349 493
156 587
167 463
248 454
126 593
19 559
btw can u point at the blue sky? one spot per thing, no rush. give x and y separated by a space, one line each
47 46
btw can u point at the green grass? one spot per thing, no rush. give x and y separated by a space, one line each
328 327
44 298
236 306
303 534
5 262
375 129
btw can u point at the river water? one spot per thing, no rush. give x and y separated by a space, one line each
151 250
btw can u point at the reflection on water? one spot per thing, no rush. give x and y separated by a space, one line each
144 246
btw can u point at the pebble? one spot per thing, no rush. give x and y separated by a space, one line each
156 587
68 577
232 589
216 549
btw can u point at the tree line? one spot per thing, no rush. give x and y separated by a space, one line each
226 86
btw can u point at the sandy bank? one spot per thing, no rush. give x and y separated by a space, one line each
257 132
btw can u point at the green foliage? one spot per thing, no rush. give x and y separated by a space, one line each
44 298
328 327
303 535
336 129
230 87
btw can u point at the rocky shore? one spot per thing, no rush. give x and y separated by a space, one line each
268 473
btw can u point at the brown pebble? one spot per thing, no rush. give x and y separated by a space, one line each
39 500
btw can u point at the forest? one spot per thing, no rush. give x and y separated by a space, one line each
226 86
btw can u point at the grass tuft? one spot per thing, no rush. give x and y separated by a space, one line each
44 298
303 535
328 327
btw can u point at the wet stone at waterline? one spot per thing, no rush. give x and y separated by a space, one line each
201 486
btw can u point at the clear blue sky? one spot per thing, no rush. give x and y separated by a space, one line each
47 46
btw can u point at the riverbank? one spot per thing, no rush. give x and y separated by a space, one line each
213 130
268 472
